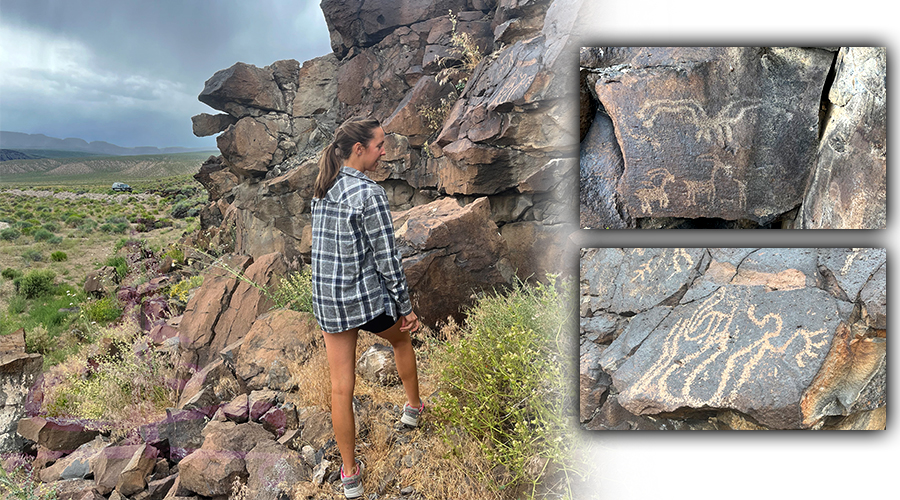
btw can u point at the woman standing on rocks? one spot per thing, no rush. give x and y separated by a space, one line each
358 282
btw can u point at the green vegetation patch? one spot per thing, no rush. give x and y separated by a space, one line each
503 381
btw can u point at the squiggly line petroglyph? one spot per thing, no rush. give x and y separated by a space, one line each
720 125
694 344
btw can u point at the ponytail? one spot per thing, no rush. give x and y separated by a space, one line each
352 131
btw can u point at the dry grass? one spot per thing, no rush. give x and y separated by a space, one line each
442 469
112 383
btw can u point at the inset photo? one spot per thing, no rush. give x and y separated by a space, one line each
733 338
733 137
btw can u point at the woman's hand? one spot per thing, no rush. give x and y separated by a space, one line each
409 323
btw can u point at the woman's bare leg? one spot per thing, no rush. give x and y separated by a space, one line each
341 351
405 358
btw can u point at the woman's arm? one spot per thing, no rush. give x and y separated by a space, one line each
379 230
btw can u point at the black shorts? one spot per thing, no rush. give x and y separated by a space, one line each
379 324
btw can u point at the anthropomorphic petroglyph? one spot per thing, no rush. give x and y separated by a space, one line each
719 126
655 190
708 347
646 271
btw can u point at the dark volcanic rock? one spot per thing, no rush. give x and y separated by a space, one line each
243 90
726 132
206 124
19 372
771 338
848 188
362 24
601 166
741 348
448 251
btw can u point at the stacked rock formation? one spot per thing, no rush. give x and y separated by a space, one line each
733 338
476 106
749 136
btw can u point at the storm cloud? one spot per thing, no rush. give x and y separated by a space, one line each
130 72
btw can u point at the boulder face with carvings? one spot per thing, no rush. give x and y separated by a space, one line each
733 338
733 134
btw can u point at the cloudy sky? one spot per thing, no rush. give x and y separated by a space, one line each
129 72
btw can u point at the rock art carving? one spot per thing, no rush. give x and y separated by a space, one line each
693 344
707 187
719 126
655 190
660 262
678 338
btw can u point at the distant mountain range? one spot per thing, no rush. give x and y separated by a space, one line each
18 140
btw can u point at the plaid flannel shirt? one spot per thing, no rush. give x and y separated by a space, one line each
356 271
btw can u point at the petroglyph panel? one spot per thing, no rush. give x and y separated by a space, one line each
729 350
726 132
642 278
763 338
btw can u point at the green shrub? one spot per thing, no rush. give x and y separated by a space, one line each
503 380
58 256
74 220
37 283
182 289
21 483
185 208
101 310
176 254
40 340
17 304
42 235
117 228
10 273
118 262
32 255
51 227
9 234
295 291
56 240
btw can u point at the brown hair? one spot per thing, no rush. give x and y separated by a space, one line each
349 133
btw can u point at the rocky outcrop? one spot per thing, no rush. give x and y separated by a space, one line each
719 338
448 252
732 134
18 372
848 187
489 77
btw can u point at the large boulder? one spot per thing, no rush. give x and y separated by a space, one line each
123 468
76 465
848 188
761 338
448 251
248 300
204 309
243 90
273 470
248 147
18 372
277 343
725 132
59 435
206 124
